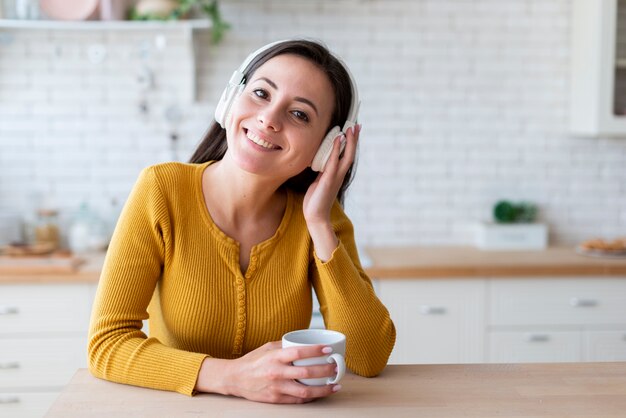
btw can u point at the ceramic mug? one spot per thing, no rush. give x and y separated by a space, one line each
335 340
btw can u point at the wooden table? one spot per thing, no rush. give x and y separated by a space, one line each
478 390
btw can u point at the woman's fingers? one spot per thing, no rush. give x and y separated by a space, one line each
352 137
291 354
300 391
310 372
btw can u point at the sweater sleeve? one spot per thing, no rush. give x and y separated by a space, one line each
349 305
118 350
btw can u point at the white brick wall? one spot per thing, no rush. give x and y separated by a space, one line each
463 103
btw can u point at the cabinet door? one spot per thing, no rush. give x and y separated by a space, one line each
605 345
545 301
26 404
40 362
50 308
534 346
437 321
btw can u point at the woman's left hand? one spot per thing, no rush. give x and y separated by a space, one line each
322 193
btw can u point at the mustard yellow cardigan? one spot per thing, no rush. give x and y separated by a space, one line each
169 263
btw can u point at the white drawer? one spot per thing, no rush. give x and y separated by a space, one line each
26 404
437 321
605 345
45 308
534 346
585 301
40 362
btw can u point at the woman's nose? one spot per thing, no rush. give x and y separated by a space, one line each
269 117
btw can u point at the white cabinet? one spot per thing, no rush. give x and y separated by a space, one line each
437 321
605 345
502 320
43 340
552 320
546 301
598 68
534 346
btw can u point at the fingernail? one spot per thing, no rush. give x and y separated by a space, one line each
336 388
327 350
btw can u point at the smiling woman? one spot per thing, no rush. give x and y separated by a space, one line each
223 252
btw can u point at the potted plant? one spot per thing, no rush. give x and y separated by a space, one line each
513 228
181 9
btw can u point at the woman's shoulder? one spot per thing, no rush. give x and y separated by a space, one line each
171 175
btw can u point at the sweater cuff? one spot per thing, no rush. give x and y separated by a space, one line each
333 256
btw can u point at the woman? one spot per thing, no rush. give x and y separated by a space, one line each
221 254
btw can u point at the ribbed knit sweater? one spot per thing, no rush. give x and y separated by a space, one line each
169 262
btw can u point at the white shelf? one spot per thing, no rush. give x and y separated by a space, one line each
187 27
106 25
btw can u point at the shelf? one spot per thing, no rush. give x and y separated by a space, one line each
186 27
105 25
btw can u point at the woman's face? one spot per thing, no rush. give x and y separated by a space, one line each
278 122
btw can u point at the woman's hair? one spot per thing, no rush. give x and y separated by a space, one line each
213 146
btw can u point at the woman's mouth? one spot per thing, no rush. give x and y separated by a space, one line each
257 140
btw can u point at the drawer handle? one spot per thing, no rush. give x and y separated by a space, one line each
9 365
5 400
432 310
9 310
583 303
537 338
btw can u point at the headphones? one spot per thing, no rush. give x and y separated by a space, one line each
237 83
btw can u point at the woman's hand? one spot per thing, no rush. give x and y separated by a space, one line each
322 193
267 375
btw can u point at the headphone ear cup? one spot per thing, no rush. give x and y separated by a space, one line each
326 147
229 95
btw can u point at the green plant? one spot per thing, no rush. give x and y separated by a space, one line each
507 212
209 7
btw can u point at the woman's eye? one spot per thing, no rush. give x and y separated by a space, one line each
301 115
260 93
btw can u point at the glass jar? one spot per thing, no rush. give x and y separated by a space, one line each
47 228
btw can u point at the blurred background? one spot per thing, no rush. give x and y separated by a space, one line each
464 103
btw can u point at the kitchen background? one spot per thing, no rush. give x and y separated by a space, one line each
463 103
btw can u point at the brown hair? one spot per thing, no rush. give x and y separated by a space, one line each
213 146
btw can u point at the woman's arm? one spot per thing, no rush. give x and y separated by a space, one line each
347 299
118 350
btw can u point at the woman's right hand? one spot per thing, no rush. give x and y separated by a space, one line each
267 375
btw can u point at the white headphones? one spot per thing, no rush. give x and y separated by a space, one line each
237 83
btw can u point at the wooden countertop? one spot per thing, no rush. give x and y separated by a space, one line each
415 263
87 272
441 262
478 390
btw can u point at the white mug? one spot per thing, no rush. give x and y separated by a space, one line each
335 340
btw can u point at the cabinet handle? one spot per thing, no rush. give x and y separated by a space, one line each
432 310
537 338
9 365
4 400
9 310
583 303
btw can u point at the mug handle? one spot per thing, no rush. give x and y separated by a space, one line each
341 368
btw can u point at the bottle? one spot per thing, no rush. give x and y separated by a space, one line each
47 228
87 232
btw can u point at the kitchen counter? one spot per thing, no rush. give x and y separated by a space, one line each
477 390
41 270
442 262
411 263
